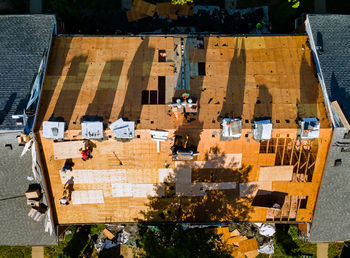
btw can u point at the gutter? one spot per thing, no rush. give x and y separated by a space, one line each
39 161
319 71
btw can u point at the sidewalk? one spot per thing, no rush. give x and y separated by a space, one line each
37 252
322 250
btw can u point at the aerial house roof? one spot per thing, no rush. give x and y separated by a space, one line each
180 166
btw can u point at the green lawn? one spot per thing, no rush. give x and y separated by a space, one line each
15 251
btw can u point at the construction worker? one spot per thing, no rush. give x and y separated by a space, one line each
86 153
260 25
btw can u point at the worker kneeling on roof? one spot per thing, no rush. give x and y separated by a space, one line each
86 152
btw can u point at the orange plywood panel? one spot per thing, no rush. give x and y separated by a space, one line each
248 245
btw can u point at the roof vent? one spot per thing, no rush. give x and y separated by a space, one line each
231 127
262 130
123 129
53 130
319 43
159 136
309 128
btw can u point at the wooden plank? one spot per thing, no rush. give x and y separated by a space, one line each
67 149
94 176
276 173
144 7
108 234
248 245
87 197
340 114
133 15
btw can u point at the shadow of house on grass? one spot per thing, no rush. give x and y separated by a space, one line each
191 195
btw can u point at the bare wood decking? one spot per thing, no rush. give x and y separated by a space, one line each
248 77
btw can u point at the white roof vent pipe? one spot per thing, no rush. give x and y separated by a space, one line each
309 128
262 130
159 136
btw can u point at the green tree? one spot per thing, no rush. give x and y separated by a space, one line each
284 243
181 2
174 241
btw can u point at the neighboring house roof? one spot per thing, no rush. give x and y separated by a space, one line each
333 33
332 215
23 41
16 228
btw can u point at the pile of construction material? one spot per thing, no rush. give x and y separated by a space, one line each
34 199
142 9
240 245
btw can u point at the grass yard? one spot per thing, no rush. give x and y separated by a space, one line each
15 251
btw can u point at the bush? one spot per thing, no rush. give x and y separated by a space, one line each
284 243
181 2
335 250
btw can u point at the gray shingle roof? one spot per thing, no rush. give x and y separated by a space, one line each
23 40
332 215
333 31
16 228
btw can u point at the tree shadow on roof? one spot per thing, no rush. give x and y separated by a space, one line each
188 200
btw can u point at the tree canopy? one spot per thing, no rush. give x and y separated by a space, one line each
181 2
175 241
